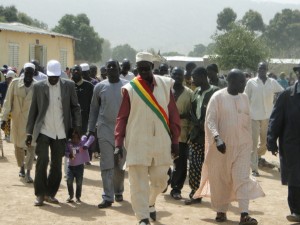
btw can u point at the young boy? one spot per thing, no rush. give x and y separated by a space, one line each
77 155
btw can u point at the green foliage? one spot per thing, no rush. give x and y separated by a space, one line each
106 51
10 14
39 24
199 51
283 34
121 52
210 49
253 21
240 48
225 19
23 18
88 47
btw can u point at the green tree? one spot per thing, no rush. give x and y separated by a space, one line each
225 19
240 48
283 34
39 24
210 49
24 18
121 52
106 51
9 13
199 51
253 21
88 47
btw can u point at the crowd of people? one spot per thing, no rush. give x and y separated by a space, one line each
163 124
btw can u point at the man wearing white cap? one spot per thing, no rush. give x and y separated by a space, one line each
85 68
4 85
17 102
38 75
149 123
54 106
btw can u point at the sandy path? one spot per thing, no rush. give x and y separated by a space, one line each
17 197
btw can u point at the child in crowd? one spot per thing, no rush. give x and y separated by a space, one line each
77 154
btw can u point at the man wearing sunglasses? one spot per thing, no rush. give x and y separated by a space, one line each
149 123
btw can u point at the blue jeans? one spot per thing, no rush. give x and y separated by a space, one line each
75 172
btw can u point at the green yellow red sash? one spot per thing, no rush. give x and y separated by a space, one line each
142 89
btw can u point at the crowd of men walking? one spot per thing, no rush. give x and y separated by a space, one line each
148 121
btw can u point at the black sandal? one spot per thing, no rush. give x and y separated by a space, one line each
248 220
221 217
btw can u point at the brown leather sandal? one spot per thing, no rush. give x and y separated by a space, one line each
248 220
221 217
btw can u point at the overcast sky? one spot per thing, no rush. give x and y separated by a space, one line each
165 25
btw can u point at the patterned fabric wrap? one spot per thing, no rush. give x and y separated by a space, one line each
196 159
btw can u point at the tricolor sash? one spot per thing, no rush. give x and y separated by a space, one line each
146 95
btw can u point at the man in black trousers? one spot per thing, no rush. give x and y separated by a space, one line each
53 112
284 124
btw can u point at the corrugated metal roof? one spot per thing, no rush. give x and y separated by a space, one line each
201 59
285 61
184 58
19 27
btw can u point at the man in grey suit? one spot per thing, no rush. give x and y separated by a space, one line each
54 111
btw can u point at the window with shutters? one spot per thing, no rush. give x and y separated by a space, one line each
13 54
63 58
31 52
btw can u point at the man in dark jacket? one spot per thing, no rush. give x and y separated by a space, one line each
284 124
84 91
200 99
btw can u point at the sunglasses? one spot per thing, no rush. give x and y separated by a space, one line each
146 68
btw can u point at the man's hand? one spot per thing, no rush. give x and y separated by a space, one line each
175 151
3 124
274 152
118 154
90 133
28 140
273 149
118 151
71 156
220 144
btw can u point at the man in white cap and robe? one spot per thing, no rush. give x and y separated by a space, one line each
225 175
148 126
54 106
37 75
17 102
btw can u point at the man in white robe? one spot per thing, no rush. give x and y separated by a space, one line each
226 169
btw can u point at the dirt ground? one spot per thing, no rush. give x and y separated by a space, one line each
17 197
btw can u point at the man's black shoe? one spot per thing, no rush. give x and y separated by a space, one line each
152 212
144 222
119 198
175 195
193 201
104 204
51 200
293 218
39 201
